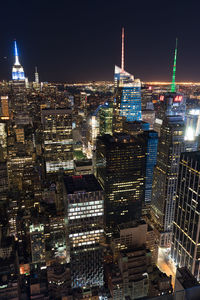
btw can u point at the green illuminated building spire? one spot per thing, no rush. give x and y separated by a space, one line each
173 85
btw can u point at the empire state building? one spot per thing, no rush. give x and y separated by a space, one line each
17 69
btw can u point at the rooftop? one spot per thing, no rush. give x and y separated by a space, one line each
186 278
131 224
119 138
193 154
86 183
84 162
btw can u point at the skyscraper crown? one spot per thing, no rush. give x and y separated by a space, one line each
17 70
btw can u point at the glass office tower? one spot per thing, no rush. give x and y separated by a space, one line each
127 99
151 138
120 165
185 249
170 146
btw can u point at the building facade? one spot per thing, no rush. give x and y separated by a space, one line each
120 167
17 70
170 146
84 206
127 99
57 140
185 249
105 119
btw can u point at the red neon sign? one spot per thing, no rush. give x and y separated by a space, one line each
178 98
162 98
77 176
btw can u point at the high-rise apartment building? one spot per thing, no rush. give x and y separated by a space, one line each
84 206
57 139
170 146
120 168
185 249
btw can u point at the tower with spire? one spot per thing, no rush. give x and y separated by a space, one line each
17 69
127 95
36 76
173 102
173 85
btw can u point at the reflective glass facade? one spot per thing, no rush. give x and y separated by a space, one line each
127 98
151 138
170 146
120 164
131 102
185 248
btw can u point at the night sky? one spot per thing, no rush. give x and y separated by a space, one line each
81 40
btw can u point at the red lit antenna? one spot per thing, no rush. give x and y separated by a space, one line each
122 62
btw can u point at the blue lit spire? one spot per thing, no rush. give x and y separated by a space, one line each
17 69
16 53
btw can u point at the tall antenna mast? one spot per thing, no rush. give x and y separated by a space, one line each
173 85
16 53
122 61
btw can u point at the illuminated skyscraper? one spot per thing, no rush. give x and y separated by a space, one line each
58 141
127 96
84 202
151 139
185 249
120 167
170 146
192 130
172 103
37 243
3 141
105 119
4 107
3 181
36 76
17 70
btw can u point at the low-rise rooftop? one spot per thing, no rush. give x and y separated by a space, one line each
80 183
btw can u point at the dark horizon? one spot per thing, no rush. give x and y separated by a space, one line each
73 42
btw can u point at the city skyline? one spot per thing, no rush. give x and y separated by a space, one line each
80 42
